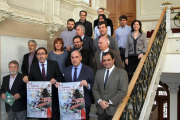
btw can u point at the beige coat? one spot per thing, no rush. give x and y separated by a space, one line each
134 47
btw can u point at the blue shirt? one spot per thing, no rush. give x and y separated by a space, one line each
78 72
121 35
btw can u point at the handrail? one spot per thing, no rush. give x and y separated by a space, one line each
122 105
175 8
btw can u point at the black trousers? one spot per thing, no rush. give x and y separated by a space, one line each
87 112
122 54
104 116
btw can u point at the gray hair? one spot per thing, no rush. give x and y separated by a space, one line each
33 41
77 51
106 40
13 62
82 28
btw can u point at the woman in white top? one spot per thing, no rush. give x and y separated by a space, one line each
101 17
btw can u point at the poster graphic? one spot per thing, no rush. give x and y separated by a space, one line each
71 101
39 104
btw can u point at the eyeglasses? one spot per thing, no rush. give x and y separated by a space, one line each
31 45
41 54
77 42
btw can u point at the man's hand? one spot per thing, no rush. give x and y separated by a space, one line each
126 61
57 84
140 56
104 104
16 96
25 79
3 96
52 81
68 48
84 83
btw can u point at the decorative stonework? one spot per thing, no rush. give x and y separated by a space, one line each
173 87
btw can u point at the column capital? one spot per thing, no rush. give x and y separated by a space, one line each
173 87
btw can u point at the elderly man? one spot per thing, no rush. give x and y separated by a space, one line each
14 85
79 72
87 41
110 87
102 26
46 70
104 47
85 23
29 58
68 35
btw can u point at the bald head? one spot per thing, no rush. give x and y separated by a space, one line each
103 43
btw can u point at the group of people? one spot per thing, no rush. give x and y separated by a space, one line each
103 66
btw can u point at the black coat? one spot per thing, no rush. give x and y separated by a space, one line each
18 87
86 58
88 44
87 25
109 23
25 63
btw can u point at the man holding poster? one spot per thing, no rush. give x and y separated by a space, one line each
79 72
46 70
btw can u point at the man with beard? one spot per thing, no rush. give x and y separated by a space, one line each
29 58
14 85
102 26
68 35
78 45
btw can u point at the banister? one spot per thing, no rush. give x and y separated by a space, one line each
175 8
131 85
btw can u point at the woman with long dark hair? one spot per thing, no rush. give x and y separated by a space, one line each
136 47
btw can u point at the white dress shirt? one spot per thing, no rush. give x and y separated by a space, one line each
11 81
102 54
45 67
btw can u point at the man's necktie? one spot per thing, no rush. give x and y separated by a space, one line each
102 59
106 78
43 72
75 75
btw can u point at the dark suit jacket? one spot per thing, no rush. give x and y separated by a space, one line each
18 87
86 58
85 74
115 89
53 71
88 44
87 25
97 63
25 63
109 23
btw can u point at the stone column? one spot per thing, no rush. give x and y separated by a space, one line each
168 18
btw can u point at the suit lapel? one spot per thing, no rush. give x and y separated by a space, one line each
48 71
8 81
98 59
81 73
113 73
15 81
39 71
102 79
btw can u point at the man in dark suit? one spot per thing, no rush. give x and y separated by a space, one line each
109 95
109 21
80 72
103 46
85 23
87 41
46 70
14 85
86 55
29 58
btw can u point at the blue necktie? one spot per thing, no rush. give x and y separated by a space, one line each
75 75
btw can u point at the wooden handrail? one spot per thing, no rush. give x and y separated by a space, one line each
175 8
131 85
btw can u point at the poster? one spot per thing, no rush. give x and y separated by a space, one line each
39 102
71 101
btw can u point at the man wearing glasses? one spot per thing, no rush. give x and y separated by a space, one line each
85 53
46 70
29 58
86 24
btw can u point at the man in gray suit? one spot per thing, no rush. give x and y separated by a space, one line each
110 87
104 47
